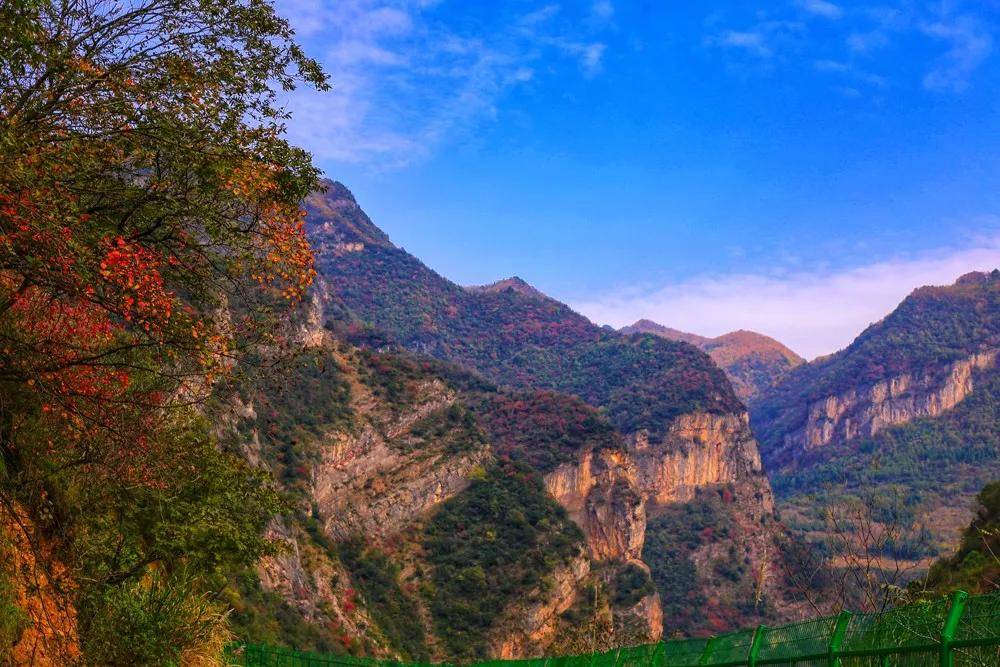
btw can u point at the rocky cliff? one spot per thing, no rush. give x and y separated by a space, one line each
609 491
909 407
920 361
378 478
865 411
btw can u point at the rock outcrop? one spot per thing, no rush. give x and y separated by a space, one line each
608 492
863 412
366 483
528 629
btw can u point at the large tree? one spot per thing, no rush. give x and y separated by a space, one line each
149 235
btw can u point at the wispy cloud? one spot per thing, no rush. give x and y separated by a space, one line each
762 40
813 312
853 35
405 82
751 41
969 46
822 8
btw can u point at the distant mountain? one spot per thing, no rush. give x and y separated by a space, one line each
752 361
914 401
651 327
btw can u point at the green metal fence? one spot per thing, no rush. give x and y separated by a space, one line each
959 631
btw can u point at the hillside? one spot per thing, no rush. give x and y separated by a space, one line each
478 469
911 402
438 516
508 331
752 361
974 567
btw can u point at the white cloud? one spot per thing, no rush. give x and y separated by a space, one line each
866 42
750 41
821 8
602 10
850 71
405 83
813 312
969 46
965 27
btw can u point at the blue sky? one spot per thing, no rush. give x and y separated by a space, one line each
794 167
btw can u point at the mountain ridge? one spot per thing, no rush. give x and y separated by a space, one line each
752 361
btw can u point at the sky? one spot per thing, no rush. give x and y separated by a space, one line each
794 167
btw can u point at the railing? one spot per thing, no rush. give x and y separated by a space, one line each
959 631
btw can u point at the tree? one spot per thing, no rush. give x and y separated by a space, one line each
872 552
150 235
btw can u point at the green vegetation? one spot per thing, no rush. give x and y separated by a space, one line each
13 620
454 427
932 328
542 428
515 336
975 566
267 617
935 461
296 402
671 540
629 585
393 609
488 548
151 241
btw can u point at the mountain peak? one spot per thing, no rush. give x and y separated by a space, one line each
651 327
514 283
333 218
751 360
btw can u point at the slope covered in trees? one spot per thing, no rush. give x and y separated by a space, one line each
931 329
508 331
752 361
911 407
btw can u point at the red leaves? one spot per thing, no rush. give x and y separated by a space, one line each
133 275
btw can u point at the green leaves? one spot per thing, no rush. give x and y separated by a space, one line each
489 547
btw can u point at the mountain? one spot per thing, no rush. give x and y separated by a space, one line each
914 401
483 472
651 327
752 361
510 332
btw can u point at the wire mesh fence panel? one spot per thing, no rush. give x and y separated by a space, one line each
729 649
646 655
958 632
684 652
605 659
976 637
804 644
562 661
904 637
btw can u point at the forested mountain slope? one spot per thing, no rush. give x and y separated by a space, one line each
510 332
752 361
477 470
912 402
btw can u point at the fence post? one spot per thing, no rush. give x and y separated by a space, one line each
755 643
837 638
707 653
958 599
659 654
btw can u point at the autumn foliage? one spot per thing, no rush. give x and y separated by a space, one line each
150 234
